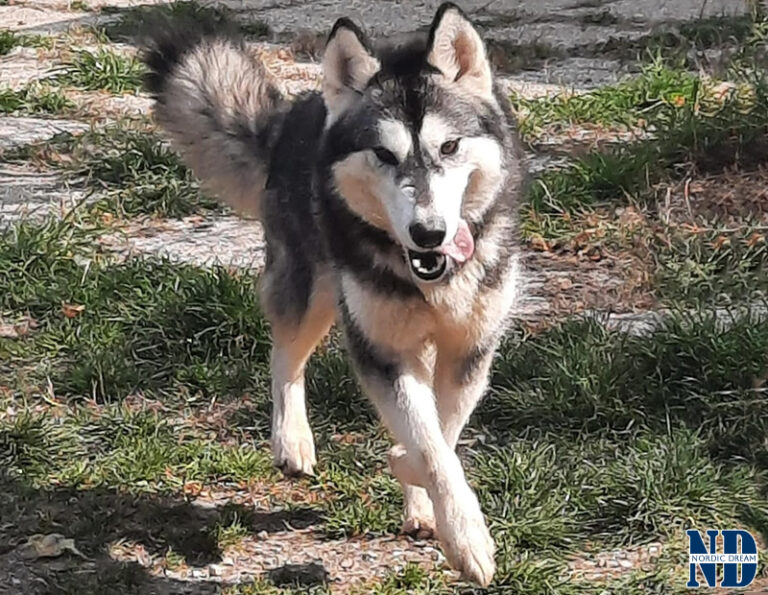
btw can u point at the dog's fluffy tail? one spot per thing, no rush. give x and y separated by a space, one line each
218 105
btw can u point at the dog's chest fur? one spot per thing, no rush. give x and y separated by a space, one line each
458 314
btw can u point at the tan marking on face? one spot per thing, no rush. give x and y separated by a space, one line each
356 181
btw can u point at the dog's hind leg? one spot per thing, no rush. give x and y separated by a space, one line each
294 339
419 514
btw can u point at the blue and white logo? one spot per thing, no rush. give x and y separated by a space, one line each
739 553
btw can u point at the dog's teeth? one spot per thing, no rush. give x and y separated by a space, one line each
429 266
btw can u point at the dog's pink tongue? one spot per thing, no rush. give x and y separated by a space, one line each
462 246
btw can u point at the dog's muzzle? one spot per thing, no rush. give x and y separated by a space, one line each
427 266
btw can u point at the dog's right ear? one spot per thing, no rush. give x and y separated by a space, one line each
348 65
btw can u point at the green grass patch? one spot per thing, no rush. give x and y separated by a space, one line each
102 70
35 98
120 448
699 131
230 532
362 497
716 265
79 5
707 129
11 39
593 438
129 164
695 369
139 172
160 327
625 104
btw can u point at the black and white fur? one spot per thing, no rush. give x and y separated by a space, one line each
357 188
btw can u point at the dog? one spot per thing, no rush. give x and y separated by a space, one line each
389 203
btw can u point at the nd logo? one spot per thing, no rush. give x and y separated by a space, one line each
739 550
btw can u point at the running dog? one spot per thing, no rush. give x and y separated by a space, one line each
389 204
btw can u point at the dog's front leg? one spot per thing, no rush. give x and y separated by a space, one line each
460 380
406 403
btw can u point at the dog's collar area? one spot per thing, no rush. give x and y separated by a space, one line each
429 267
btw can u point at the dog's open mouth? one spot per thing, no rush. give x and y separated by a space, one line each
427 266
432 265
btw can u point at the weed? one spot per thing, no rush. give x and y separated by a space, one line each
102 70
230 532
136 172
700 131
35 98
625 104
709 264
11 39
127 312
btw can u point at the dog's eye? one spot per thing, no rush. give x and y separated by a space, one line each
385 156
449 147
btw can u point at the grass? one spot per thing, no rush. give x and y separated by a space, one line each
627 103
127 308
594 439
102 70
687 128
10 40
139 172
717 264
129 165
35 98
696 132
142 385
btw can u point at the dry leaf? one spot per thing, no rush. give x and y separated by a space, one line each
72 310
49 546
539 244
8 331
17 329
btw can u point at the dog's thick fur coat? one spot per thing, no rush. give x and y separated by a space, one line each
389 205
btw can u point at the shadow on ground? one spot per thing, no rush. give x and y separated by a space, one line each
97 519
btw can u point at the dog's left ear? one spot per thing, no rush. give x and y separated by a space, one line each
456 50
348 65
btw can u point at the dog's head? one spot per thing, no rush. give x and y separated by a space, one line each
414 136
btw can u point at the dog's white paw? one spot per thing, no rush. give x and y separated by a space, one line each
466 541
419 518
420 525
293 450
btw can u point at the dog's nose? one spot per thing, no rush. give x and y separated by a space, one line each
428 235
